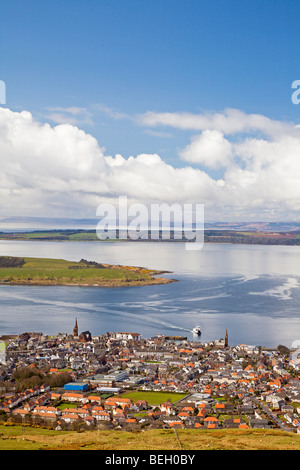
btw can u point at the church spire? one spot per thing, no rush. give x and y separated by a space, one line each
226 339
75 329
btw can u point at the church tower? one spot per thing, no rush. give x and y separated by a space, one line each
75 329
226 339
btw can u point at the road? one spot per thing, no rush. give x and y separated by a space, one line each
273 416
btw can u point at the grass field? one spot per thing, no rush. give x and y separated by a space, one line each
26 438
154 398
43 271
58 235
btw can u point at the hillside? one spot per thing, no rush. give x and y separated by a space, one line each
28 438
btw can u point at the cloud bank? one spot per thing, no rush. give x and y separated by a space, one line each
61 170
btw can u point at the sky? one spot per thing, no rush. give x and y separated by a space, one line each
160 101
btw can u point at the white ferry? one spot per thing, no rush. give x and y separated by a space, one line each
197 330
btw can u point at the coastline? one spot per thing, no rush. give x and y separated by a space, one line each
277 236
129 283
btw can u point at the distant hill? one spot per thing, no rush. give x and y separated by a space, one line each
254 226
34 223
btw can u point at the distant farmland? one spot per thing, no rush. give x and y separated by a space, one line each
210 236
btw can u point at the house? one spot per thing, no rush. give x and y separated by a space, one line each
68 411
220 407
89 420
94 398
42 400
211 420
110 405
245 409
101 415
277 402
55 396
234 423
46 410
188 409
259 423
74 397
120 401
296 421
198 425
13 402
128 336
119 413
97 408
176 425
183 415
20 412
83 412
29 405
131 421
201 413
167 407
141 405
70 417
48 416
287 408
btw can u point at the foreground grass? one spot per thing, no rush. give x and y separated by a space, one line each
26 438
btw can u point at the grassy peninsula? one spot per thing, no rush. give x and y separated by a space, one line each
46 271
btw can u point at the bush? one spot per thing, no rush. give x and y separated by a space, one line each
11 262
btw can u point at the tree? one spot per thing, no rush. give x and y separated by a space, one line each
283 350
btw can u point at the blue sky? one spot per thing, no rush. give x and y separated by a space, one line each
105 65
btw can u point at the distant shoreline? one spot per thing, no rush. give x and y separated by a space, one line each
232 237
140 283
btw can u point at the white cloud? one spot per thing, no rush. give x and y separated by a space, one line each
229 122
261 174
149 179
42 166
210 149
71 115
62 171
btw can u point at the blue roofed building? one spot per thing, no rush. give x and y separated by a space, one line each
78 386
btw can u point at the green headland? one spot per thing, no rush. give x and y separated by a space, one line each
47 271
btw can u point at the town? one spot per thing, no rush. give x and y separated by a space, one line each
123 381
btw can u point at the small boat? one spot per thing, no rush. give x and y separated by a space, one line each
197 330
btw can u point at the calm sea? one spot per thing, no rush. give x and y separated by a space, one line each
252 291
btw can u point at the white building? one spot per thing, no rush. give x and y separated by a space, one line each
128 336
2 352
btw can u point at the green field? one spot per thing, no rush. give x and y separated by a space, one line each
55 235
44 271
154 398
